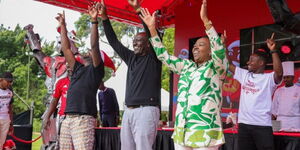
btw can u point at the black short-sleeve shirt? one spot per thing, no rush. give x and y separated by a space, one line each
81 98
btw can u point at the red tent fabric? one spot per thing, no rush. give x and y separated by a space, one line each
120 10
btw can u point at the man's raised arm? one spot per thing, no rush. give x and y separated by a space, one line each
111 36
93 12
65 44
277 66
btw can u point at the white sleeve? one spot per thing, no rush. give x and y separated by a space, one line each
272 80
240 74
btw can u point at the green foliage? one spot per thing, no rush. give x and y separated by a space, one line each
108 73
29 77
168 41
122 29
164 116
83 24
37 124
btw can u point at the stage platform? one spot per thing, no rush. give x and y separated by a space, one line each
109 139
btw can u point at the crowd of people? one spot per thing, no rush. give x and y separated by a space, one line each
198 124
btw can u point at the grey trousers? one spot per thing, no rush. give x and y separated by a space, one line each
139 128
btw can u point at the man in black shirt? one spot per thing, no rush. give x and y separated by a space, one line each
77 129
143 85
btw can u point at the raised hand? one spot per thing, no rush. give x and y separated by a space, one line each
102 11
134 4
203 11
148 18
93 10
224 37
271 43
61 18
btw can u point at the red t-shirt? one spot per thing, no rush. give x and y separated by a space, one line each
60 91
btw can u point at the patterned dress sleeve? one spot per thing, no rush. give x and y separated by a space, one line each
175 64
218 52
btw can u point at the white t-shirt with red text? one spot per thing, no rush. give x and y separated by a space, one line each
5 98
256 97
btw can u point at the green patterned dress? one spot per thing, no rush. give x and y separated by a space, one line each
198 122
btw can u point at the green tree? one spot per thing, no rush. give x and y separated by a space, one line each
29 77
83 24
168 41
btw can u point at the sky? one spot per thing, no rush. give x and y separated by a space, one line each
42 16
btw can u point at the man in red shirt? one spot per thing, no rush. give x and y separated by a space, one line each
60 93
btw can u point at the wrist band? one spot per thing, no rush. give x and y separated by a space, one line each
94 22
273 51
208 23
138 10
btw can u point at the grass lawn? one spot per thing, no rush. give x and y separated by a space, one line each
37 144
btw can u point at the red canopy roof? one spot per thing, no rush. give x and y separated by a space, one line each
120 10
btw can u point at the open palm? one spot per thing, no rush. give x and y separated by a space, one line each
93 10
148 18
61 18
203 11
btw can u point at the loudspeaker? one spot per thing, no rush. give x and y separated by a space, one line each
283 16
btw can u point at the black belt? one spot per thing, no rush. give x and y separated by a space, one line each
137 106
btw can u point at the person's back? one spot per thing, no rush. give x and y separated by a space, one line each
108 106
108 101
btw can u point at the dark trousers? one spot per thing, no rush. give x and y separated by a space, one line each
109 120
251 137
